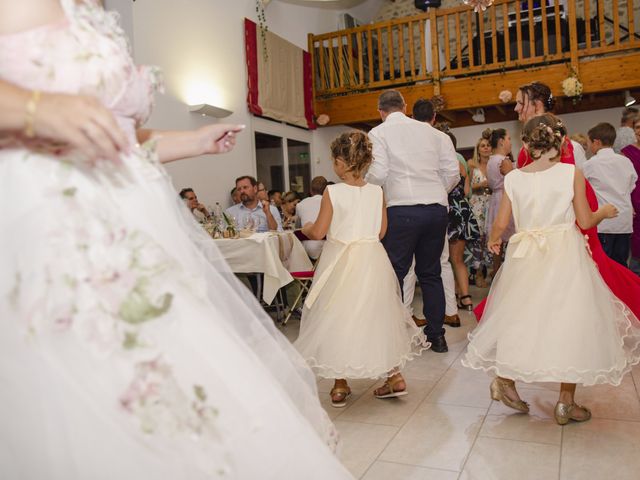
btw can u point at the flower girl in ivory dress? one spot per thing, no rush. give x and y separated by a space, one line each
354 324
550 317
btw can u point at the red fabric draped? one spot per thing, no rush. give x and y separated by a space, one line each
251 46
308 89
623 282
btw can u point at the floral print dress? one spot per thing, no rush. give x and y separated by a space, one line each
477 255
462 222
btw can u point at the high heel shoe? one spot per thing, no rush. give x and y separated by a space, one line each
465 306
498 388
565 412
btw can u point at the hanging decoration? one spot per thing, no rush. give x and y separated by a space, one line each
262 26
572 86
439 103
505 96
478 5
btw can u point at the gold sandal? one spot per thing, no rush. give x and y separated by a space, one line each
343 393
388 386
498 389
565 412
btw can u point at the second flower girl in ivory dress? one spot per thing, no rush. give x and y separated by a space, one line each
550 317
354 324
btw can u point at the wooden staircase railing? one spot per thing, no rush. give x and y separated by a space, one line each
456 42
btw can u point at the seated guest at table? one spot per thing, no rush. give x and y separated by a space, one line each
289 202
262 192
275 197
235 196
265 215
307 211
613 178
191 200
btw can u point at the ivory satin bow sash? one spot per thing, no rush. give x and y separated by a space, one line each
322 280
527 240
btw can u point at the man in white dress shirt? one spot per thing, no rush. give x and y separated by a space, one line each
307 211
613 178
416 165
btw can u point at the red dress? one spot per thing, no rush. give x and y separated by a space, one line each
623 282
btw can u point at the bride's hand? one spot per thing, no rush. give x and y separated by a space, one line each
218 138
82 122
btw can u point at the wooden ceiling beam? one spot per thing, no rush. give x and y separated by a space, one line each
482 90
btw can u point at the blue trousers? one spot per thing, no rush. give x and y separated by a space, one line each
420 230
617 246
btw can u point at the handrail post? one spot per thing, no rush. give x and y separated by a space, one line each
435 59
573 35
312 55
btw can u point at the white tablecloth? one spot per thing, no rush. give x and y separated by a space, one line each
274 254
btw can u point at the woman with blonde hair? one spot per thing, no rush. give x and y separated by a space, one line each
289 217
478 256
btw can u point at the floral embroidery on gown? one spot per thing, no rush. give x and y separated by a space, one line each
128 347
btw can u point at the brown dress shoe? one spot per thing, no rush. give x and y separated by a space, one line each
420 322
452 320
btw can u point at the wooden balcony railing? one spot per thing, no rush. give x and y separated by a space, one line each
457 41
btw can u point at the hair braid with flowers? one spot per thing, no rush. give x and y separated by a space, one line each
543 134
354 149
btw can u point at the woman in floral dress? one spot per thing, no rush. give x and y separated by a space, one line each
478 257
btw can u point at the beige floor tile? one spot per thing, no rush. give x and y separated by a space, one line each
614 403
538 426
333 412
436 436
496 459
601 449
395 471
361 443
393 411
463 387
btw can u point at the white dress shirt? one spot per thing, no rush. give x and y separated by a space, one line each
307 211
414 163
241 214
579 155
613 178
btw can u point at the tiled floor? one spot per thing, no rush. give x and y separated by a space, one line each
449 428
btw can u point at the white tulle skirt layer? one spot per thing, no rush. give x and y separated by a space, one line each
127 347
358 326
551 318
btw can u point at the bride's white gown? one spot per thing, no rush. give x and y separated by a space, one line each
127 347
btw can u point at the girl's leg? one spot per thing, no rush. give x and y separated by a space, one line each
566 408
340 392
504 390
456 254
394 386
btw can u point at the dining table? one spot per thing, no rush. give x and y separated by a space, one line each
274 254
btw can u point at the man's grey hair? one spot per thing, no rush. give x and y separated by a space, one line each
391 101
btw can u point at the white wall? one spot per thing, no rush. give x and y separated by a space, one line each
199 44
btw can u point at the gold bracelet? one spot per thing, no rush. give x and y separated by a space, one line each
30 116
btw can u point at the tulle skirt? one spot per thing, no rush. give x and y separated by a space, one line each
127 347
358 327
551 318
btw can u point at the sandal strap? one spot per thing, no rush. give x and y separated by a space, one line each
465 296
394 380
340 391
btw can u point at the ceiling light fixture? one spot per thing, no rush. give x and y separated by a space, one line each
628 99
478 117
205 109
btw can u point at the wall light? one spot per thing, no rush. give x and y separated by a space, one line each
478 117
205 109
628 99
